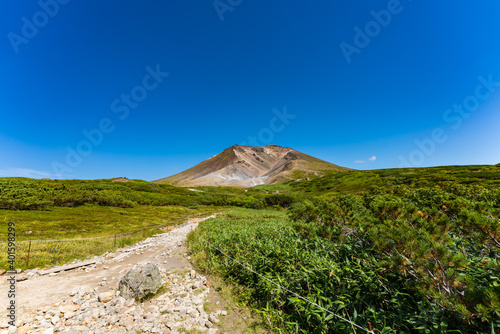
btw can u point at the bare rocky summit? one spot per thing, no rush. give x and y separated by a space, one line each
248 166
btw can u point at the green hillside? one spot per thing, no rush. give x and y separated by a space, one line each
413 250
359 181
31 194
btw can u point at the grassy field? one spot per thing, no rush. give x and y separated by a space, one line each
88 221
93 221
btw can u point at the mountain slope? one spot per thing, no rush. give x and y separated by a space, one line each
249 166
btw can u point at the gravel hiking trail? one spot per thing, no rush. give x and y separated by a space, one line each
41 294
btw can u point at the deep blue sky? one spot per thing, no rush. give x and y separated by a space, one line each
227 76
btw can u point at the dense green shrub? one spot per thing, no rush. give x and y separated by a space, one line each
407 259
278 199
383 180
356 278
29 194
446 243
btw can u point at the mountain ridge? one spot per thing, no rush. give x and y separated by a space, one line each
248 166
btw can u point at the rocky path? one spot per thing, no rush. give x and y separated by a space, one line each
84 300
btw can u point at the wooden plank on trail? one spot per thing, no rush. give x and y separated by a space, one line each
68 267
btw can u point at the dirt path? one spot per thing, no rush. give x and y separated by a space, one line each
67 302
166 250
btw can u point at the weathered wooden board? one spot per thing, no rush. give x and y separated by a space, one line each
64 268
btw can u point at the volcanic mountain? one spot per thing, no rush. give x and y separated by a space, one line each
248 166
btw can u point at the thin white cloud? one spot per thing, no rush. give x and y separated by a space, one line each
372 158
25 172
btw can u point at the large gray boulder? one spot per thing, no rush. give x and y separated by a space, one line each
140 282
